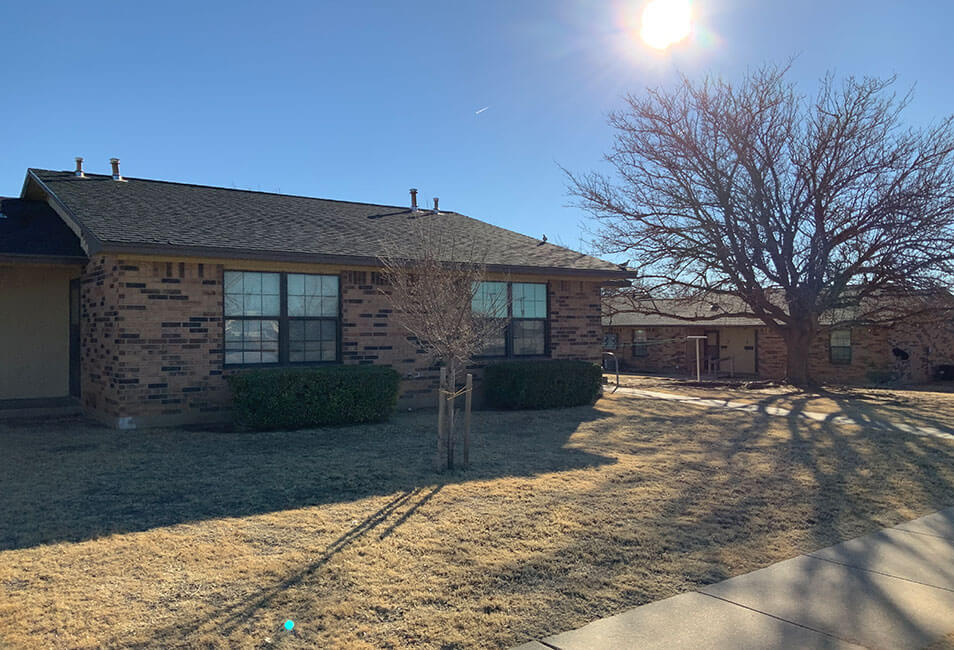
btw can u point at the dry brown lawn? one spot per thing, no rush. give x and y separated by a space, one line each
924 405
178 538
944 643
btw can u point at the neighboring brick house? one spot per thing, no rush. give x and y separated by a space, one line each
746 347
137 297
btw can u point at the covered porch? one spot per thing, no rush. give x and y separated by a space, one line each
40 264
725 351
729 351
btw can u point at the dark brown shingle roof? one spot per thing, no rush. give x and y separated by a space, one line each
623 313
148 214
726 311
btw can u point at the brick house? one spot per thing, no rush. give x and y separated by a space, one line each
137 297
909 352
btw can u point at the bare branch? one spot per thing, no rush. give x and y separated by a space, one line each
431 290
794 207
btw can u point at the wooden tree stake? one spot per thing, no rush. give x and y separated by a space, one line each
441 458
465 460
451 396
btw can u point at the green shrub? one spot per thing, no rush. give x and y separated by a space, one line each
541 384
292 398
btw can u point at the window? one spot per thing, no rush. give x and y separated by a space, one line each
312 318
840 346
529 319
252 310
490 299
640 349
609 341
526 309
278 318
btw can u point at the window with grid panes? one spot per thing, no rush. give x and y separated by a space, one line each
312 318
524 304
252 313
490 299
640 349
528 313
840 346
279 318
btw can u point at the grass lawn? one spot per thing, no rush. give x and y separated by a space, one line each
922 405
184 538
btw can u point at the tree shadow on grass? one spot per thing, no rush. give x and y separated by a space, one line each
226 619
909 407
868 467
74 480
759 489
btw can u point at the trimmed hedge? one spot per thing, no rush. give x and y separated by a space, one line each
541 384
293 398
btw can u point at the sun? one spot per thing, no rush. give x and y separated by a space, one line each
665 22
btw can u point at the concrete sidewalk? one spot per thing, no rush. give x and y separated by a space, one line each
890 589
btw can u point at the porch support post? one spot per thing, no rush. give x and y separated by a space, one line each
697 339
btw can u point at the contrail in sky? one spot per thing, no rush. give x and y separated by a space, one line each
481 110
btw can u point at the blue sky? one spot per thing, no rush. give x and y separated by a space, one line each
362 100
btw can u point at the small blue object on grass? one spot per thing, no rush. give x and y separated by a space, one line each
289 624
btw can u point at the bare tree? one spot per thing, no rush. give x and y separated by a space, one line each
431 287
796 207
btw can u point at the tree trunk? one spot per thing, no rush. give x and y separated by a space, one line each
798 342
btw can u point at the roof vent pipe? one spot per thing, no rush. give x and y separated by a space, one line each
413 191
435 203
115 163
79 167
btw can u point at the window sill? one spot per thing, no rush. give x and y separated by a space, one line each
504 357
297 364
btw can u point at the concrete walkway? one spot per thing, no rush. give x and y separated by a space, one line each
891 589
710 402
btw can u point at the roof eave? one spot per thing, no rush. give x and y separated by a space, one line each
325 258
677 322
26 258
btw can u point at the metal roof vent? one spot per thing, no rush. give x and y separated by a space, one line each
413 192
436 211
79 167
116 175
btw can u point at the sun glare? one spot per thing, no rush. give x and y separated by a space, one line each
665 22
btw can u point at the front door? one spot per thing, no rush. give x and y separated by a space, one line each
74 337
738 343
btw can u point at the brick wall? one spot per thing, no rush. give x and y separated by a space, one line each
575 330
152 337
772 355
872 353
666 349
872 359
370 336
152 341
